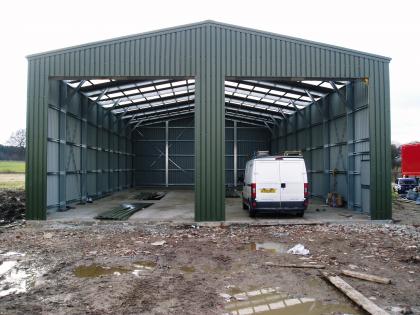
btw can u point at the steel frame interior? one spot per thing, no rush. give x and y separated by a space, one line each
133 106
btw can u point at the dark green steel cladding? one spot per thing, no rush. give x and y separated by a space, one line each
210 52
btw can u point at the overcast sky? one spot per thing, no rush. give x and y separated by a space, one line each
390 29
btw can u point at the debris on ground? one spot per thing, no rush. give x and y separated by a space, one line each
191 267
354 295
313 266
158 243
12 206
298 249
154 195
231 192
123 212
367 277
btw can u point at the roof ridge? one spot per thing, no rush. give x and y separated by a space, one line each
213 23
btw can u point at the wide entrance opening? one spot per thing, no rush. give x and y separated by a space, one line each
116 143
129 137
325 119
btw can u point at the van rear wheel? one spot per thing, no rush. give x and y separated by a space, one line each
252 212
300 214
244 206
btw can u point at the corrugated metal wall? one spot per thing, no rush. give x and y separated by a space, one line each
89 151
209 51
247 139
333 135
149 148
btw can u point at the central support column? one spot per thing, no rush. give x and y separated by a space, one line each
209 133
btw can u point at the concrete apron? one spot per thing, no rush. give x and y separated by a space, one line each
177 208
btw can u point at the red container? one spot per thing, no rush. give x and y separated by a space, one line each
410 159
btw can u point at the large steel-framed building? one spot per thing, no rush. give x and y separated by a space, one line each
186 106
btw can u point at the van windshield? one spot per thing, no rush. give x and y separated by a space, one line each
407 181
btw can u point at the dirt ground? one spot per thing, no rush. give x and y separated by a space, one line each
12 206
116 269
405 212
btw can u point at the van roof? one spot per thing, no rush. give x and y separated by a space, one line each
278 157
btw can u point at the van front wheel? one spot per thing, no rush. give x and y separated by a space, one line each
244 206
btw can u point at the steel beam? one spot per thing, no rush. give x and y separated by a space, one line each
95 89
305 86
245 90
262 102
163 99
157 90
267 85
341 96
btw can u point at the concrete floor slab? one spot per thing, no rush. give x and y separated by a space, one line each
178 207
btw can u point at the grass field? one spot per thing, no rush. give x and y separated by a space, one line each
12 181
12 167
12 175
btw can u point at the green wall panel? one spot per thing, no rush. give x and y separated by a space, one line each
210 52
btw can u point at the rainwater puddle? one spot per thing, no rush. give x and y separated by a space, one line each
232 290
145 264
97 271
94 270
14 280
270 301
6 266
187 269
10 254
272 247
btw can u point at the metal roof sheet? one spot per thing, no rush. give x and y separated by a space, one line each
213 23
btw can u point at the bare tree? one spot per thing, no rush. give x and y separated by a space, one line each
18 139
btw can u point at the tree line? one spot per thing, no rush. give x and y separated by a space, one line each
14 150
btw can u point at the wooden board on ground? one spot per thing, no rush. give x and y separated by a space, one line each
314 266
365 276
354 295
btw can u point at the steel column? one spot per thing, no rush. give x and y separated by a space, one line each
326 140
83 152
167 153
62 150
351 171
235 153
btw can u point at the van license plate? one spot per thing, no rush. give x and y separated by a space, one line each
268 190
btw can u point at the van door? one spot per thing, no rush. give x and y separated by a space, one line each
292 180
267 180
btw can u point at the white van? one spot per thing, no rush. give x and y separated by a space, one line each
275 184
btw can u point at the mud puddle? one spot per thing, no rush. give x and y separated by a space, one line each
95 270
272 247
187 269
14 278
269 301
145 264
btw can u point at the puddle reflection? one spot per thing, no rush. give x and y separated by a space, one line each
275 248
270 301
